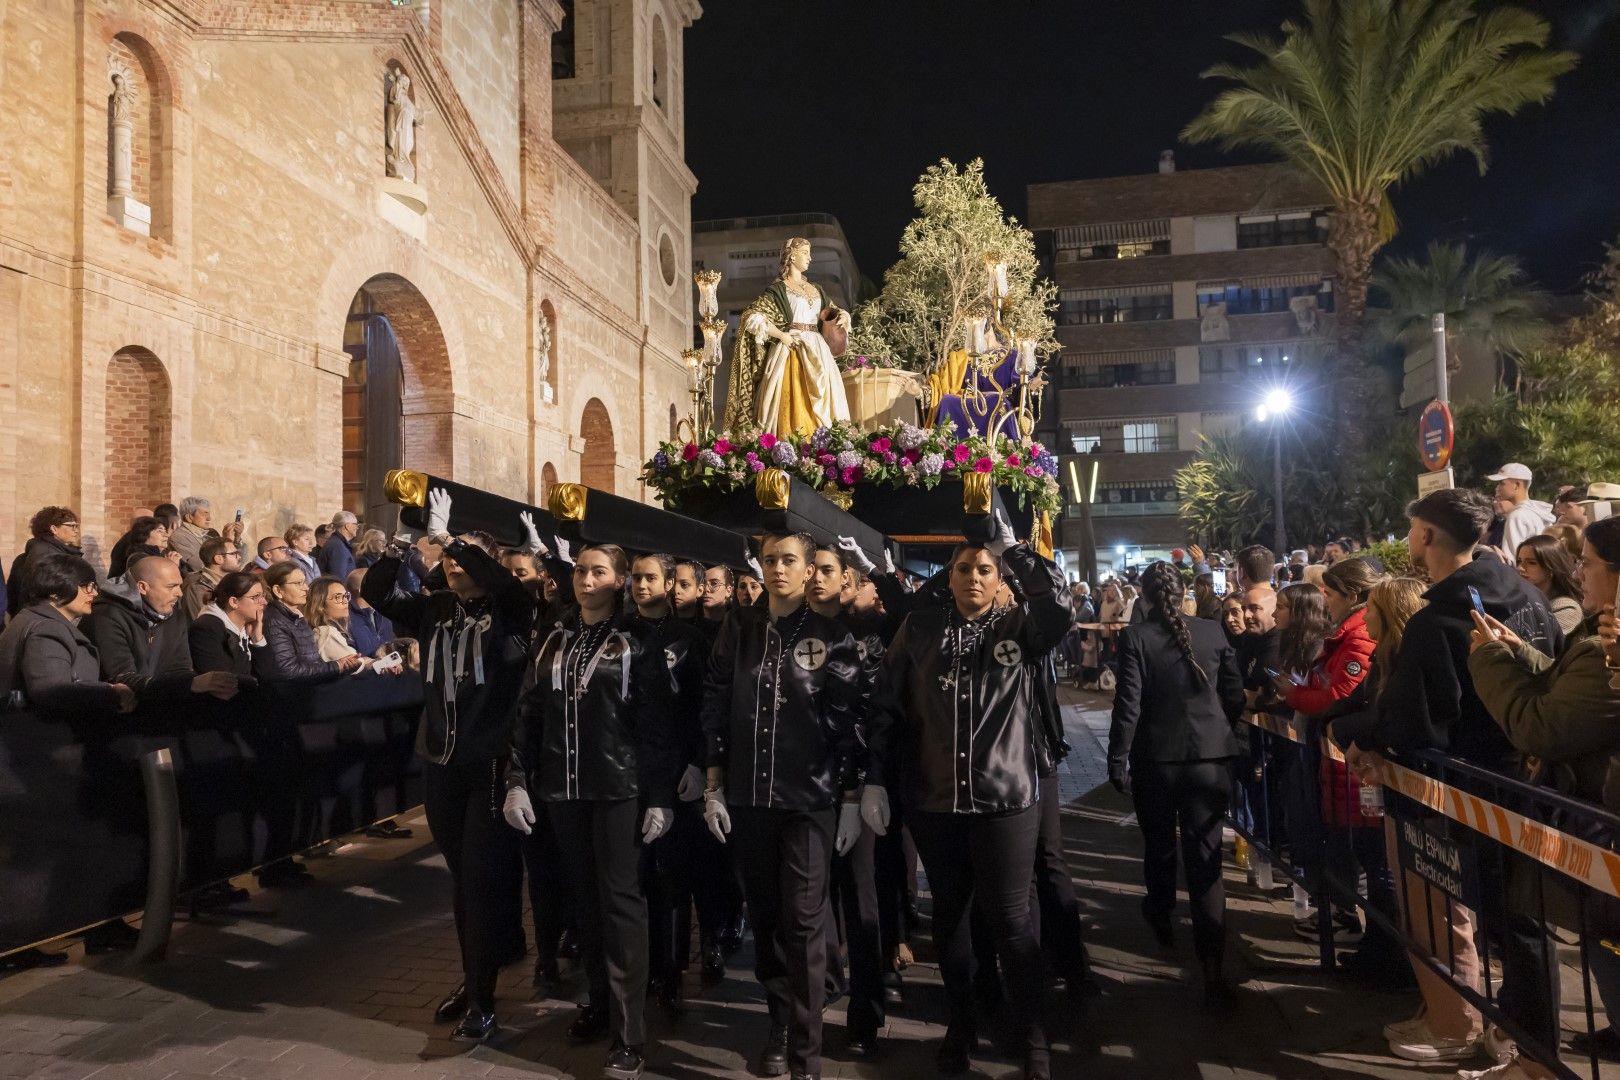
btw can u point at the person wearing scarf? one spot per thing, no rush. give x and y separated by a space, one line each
474 636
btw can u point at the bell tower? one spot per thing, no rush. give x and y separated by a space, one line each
619 110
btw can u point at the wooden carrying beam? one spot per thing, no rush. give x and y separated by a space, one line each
470 508
586 515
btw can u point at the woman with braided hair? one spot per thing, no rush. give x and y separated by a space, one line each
1171 748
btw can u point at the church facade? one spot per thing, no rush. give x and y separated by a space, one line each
264 250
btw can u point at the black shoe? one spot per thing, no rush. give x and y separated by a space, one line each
284 873
1038 1064
861 1042
714 964
731 938
475 1027
956 1049
669 994
452 1006
27 959
1159 923
546 978
568 947
115 936
591 1023
624 1062
1605 1041
894 995
773 1059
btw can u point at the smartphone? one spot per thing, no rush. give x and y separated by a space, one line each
1220 581
1473 596
238 513
388 663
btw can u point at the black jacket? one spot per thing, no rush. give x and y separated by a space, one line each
37 548
686 650
474 654
149 655
53 666
780 709
1256 653
595 721
1161 711
216 646
1429 702
958 722
290 651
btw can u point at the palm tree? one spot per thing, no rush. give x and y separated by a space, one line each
1361 95
1491 308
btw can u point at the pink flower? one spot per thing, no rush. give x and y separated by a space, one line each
961 453
689 451
832 472
851 475
1012 459
911 456
888 456
879 445
756 465
825 459
1033 470
766 441
722 446
984 464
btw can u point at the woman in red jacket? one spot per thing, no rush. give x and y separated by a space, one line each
1330 689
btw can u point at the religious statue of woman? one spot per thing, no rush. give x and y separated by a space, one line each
400 127
783 376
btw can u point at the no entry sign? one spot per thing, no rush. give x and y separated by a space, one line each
1435 436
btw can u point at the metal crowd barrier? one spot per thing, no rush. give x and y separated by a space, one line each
1522 865
99 819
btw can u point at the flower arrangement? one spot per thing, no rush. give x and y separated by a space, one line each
842 456
852 362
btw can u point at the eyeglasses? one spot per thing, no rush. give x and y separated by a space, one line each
272 551
339 597
70 525
91 587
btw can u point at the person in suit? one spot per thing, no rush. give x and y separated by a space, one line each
1171 748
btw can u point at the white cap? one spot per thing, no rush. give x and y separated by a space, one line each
1511 471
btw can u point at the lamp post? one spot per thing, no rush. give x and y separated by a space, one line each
1276 405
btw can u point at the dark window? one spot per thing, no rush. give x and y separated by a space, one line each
1280 232
1147 308
562 44
1152 373
1243 300
1135 249
1229 363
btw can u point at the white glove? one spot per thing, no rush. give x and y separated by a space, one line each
655 823
690 788
531 538
888 561
854 556
1004 537
875 808
564 552
715 815
753 564
518 810
849 827
438 512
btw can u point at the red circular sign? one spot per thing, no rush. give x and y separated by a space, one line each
1435 436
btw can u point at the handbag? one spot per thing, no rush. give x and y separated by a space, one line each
836 337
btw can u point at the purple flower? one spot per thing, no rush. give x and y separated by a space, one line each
825 458
910 436
931 464
710 459
784 455
661 461
820 437
831 472
848 459
756 465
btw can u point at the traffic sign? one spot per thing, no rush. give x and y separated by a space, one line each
1435 436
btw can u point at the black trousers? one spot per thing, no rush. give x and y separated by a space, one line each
1189 798
786 858
1056 909
668 870
603 857
893 890
855 906
716 886
463 804
985 860
551 893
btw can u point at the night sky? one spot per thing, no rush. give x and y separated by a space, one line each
837 105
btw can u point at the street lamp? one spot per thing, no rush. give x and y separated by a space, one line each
1275 407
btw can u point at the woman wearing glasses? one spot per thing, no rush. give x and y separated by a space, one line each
55 531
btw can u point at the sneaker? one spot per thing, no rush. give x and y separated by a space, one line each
1400 1029
1421 1044
1511 1071
1499 1045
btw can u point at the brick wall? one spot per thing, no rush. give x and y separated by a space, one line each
138 429
597 459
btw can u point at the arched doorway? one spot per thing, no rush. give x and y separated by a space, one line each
137 429
395 396
548 481
597 459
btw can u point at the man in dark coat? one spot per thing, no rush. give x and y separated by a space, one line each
142 637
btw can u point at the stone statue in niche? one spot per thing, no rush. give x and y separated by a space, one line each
400 124
542 350
121 133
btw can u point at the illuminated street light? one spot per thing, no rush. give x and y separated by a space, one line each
1275 405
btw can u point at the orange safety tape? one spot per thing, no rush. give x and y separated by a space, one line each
1582 860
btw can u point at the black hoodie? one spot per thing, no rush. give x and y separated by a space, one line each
148 654
1429 701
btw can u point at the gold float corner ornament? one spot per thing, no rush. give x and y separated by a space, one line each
406 487
567 502
771 489
837 496
976 493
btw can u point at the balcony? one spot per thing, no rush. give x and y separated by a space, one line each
1201 266
1112 337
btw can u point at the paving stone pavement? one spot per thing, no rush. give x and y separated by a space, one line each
337 981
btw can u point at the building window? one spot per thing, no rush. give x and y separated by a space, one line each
1281 230
1085 444
1152 373
1148 307
1134 249
1149 436
1243 299
1230 363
